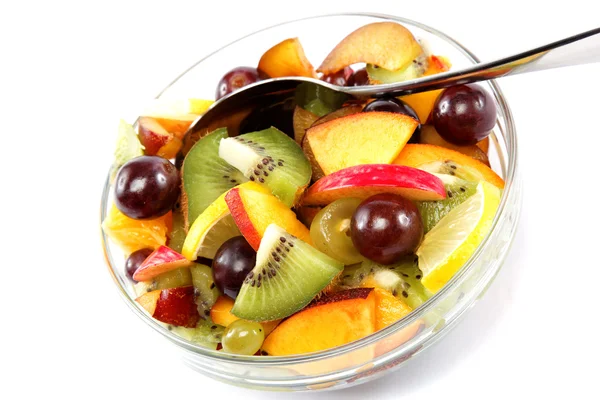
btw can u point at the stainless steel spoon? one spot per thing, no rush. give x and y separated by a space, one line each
235 110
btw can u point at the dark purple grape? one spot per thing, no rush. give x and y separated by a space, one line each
235 79
339 78
233 261
134 261
386 227
395 105
358 78
146 187
464 114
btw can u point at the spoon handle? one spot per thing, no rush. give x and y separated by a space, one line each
583 48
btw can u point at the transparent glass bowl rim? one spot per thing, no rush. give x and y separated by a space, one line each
272 361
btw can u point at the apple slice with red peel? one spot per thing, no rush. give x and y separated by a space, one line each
161 260
363 181
174 306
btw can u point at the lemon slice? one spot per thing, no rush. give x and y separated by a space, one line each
455 237
213 227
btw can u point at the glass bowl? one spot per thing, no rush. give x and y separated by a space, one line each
385 350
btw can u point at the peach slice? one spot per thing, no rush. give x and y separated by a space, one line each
174 306
423 102
220 313
286 59
161 260
363 181
388 308
364 138
156 139
253 212
332 321
424 155
386 44
430 136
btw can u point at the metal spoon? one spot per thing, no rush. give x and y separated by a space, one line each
235 110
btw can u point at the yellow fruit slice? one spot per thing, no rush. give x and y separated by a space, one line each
213 227
132 234
177 107
447 247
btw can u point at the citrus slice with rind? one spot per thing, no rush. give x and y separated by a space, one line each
128 146
213 227
453 240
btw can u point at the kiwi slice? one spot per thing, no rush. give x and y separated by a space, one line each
177 235
414 70
175 278
271 158
206 176
457 191
319 100
206 333
403 279
205 289
288 274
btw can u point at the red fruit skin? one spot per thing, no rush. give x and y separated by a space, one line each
363 181
162 260
177 307
242 219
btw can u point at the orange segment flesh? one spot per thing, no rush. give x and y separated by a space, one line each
253 212
388 308
349 141
131 234
415 155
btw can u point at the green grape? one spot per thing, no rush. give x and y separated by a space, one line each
330 230
243 337
172 279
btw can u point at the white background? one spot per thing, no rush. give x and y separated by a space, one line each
68 71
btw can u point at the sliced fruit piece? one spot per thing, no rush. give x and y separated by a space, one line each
132 234
363 181
388 309
364 138
160 261
205 333
172 306
176 115
307 214
330 231
398 338
253 212
214 227
402 279
271 158
302 120
221 314
484 144
423 102
205 289
206 176
430 136
171 279
128 147
318 99
447 247
156 139
414 70
436 159
177 234
457 190
342 112
286 58
317 172
333 321
385 44
288 274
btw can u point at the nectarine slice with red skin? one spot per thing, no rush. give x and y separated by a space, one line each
365 138
363 181
386 44
174 306
286 58
156 140
161 260
331 323
253 212
430 136
416 155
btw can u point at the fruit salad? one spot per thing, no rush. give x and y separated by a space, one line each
323 224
